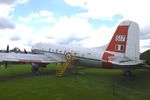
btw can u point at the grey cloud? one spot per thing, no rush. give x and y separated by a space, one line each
145 32
146 46
6 23
8 2
12 2
15 38
29 43
70 40
49 37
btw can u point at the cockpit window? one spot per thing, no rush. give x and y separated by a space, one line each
56 50
75 53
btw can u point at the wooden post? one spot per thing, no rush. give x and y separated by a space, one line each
113 89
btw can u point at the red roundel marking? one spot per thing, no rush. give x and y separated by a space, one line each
105 63
68 55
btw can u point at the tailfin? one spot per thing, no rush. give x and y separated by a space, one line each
125 42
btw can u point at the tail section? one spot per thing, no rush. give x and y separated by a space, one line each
118 41
125 42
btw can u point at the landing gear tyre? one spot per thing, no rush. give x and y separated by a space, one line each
35 70
128 73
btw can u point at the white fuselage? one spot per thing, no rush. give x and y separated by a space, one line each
87 56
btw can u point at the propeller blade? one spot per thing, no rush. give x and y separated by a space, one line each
7 50
25 51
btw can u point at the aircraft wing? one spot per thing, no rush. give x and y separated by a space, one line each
33 58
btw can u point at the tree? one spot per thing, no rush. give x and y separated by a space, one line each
146 56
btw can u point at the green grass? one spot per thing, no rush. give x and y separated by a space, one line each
18 83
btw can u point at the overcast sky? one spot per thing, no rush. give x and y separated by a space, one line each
88 23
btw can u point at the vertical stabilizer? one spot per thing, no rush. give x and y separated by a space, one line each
132 46
125 41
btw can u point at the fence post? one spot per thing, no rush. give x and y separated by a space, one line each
113 89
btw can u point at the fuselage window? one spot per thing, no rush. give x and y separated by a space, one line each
56 50
82 55
89 53
75 54
52 50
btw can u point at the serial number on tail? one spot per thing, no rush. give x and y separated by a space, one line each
120 38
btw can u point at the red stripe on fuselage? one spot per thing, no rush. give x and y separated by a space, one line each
34 61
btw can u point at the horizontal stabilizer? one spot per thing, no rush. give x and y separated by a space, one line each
124 61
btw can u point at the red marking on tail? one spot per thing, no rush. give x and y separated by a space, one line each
106 64
118 41
117 44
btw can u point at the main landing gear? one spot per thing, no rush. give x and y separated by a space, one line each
128 73
35 68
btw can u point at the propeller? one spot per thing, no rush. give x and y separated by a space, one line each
7 50
25 51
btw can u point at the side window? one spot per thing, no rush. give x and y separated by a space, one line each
74 53
56 50
52 50
82 55
89 53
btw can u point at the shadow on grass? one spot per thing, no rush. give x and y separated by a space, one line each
26 75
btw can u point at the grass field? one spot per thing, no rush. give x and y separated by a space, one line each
18 83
